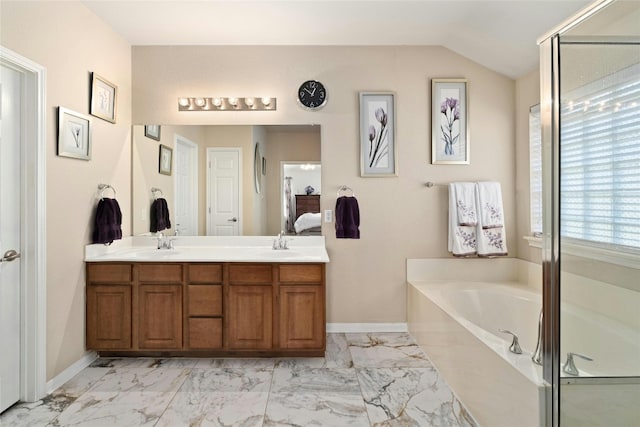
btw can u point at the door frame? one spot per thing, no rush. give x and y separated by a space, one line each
210 151
33 298
179 139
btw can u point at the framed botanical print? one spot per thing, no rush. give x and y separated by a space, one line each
165 160
449 122
74 134
378 153
104 95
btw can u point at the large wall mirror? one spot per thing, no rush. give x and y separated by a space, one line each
247 180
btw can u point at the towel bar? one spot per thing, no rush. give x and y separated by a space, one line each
155 190
103 187
346 190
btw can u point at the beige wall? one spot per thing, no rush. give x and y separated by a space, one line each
400 217
71 42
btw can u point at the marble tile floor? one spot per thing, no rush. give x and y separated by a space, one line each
375 379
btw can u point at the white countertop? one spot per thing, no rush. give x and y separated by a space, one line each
210 249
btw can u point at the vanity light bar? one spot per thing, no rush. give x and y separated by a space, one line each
227 104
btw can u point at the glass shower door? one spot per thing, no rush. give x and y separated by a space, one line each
599 220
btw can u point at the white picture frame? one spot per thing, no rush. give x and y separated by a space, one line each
378 150
450 143
74 134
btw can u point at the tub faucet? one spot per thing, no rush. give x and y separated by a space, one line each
515 345
569 367
537 354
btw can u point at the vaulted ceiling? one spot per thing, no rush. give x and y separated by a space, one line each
500 35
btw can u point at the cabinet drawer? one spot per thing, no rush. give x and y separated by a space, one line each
205 273
160 273
205 300
205 333
108 273
251 274
300 273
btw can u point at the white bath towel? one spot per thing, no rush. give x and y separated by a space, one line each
465 198
491 235
490 204
462 238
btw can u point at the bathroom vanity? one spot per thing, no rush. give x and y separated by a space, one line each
218 297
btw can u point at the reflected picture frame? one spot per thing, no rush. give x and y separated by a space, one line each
74 134
104 98
450 143
152 131
165 160
378 150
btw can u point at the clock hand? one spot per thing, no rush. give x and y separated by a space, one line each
308 91
314 91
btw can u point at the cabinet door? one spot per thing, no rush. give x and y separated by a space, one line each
108 317
302 320
250 314
160 316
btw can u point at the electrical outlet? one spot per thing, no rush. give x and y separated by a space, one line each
328 215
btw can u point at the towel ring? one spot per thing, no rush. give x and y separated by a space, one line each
104 187
155 190
344 189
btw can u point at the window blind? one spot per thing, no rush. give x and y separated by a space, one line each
535 171
600 161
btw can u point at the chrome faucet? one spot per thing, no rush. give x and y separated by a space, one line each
537 354
515 345
279 242
164 242
569 367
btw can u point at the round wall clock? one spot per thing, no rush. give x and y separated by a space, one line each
312 95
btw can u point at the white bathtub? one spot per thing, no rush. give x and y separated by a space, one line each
457 322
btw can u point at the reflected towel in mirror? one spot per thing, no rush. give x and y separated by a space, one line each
159 215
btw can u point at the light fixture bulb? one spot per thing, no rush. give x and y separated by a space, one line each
249 102
200 102
183 102
233 101
217 102
266 100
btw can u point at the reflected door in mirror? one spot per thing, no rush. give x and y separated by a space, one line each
186 191
223 188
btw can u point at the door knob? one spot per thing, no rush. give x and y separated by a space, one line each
9 256
234 219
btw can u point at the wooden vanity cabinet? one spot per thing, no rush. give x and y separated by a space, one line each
220 309
159 306
204 307
302 306
250 319
109 306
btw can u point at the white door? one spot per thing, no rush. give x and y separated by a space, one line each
10 201
223 192
186 187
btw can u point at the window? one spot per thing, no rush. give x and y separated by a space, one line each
535 171
600 162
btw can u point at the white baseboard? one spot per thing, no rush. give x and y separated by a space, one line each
73 370
366 327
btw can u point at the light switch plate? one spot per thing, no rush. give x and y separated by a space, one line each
328 215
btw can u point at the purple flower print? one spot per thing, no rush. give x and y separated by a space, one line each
377 148
450 108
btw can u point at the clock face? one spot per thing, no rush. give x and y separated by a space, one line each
312 95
